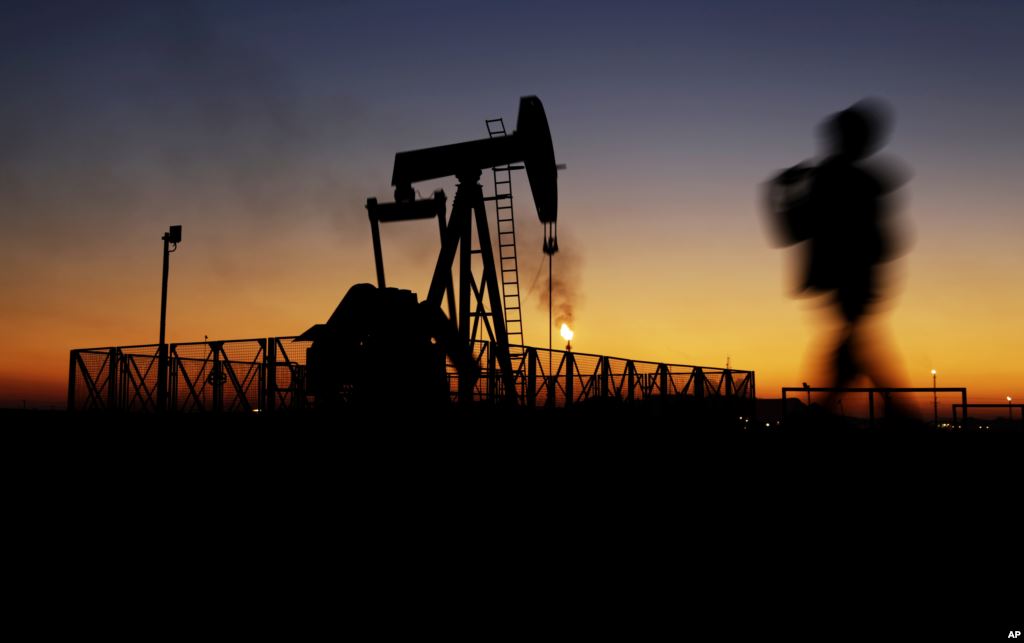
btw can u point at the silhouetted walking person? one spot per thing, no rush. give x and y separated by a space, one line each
839 207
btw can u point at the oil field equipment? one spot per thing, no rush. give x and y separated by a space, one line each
383 348
474 305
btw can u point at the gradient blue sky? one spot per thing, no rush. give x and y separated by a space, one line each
262 127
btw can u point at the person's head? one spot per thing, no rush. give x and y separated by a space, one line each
859 130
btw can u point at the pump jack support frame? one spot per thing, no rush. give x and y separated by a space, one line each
457 236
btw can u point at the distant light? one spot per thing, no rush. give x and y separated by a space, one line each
1009 399
934 372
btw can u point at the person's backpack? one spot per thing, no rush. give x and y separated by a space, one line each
789 205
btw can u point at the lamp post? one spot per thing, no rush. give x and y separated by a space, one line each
935 398
172 236
1009 408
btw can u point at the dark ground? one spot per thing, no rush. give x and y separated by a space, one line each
528 524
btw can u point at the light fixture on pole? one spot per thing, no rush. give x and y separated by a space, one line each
935 398
172 236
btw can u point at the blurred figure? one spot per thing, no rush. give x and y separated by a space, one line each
840 208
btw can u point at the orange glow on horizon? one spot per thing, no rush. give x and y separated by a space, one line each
671 294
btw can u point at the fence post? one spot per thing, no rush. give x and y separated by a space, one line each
492 364
663 380
570 362
630 376
71 381
604 376
215 377
698 382
270 379
173 364
531 377
261 391
551 382
963 400
112 365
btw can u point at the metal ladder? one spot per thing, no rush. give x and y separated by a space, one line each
507 244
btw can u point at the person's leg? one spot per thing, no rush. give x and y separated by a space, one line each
845 364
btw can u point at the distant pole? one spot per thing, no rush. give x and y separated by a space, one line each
1009 408
935 399
171 236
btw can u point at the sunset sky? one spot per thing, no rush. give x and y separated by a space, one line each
262 128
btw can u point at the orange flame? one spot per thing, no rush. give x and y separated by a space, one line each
567 333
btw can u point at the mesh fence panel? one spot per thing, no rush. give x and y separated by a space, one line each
91 385
287 377
139 368
270 374
586 377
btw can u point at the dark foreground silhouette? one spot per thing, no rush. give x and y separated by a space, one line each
839 210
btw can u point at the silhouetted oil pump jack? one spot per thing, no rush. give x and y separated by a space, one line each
476 300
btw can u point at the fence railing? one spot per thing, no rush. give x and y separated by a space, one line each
564 378
882 393
269 374
960 411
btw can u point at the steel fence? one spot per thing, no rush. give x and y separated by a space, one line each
269 374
